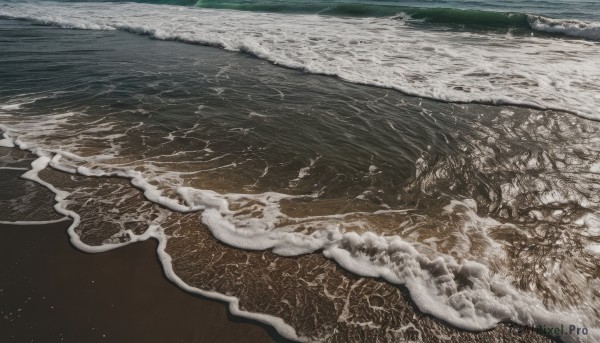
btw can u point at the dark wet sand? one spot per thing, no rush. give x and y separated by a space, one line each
51 292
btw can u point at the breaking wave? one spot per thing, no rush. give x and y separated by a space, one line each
538 72
453 17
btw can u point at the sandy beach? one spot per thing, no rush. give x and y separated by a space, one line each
51 292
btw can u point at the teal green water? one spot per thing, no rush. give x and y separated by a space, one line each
377 9
498 14
494 13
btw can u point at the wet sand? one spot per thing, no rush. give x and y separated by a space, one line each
51 292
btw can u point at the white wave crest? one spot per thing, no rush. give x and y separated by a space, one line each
573 28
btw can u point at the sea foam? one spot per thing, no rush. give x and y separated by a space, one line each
464 293
571 27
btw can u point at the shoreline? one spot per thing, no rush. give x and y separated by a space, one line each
49 282
323 296
73 295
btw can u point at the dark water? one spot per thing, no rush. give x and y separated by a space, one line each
545 63
491 13
471 213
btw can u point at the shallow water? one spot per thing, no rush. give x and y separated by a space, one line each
485 214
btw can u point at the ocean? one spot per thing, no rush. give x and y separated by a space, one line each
369 171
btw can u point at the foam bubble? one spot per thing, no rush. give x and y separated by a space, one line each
9 107
6 141
593 248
